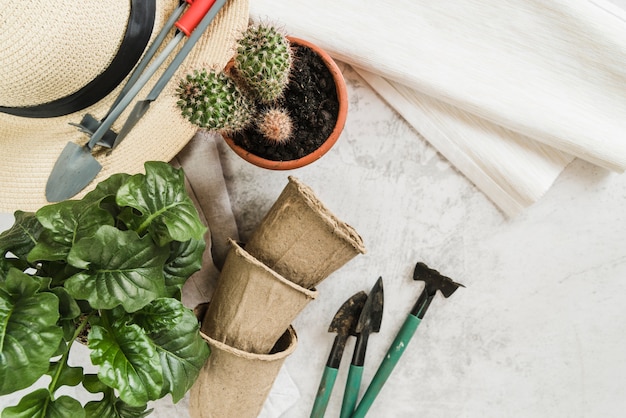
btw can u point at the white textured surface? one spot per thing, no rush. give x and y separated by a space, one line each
538 332
513 170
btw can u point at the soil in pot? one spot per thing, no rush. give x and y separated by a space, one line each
311 100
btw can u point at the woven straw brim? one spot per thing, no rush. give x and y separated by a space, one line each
30 147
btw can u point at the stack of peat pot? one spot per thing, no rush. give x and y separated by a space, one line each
261 289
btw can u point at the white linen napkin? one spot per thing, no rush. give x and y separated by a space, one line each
553 71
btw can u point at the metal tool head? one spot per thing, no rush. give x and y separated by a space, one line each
344 321
74 170
139 109
76 167
434 280
372 313
89 124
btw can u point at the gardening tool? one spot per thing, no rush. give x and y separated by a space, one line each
344 324
89 124
76 167
433 281
369 321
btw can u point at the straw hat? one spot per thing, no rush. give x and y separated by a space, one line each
54 51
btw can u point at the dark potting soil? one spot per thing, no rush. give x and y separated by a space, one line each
311 100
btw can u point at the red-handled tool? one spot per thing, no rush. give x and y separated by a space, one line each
199 10
193 16
76 167
89 124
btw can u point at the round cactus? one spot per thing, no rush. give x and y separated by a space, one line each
275 124
263 61
211 100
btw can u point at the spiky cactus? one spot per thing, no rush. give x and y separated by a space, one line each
275 124
263 61
211 100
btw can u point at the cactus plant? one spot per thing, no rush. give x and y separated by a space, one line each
210 99
223 102
263 61
275 124
299 77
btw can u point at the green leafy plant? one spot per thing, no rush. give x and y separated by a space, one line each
229 101
108 270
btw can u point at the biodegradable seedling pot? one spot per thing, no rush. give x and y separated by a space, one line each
252 305
301 239
342 99
235 383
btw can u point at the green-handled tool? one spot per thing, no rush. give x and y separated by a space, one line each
369 321
344 324
433 281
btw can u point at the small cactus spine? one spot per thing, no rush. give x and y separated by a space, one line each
211 100
275 124
264 59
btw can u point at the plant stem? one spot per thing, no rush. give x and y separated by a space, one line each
63 361
146 223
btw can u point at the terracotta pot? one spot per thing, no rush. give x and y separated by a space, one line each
235 383
342 97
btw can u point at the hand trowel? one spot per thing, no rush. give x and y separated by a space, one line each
344 324
369 321
76 167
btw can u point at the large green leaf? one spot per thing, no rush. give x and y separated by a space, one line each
65 375
39 404
5 266
58 271
127 360
174 330
184 260
92 383
122 269
28 332
106 188
68 308
112 407
65 223
166 211
22 236
16 242
105 192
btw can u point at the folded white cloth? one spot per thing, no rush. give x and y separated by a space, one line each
553 71
514 171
